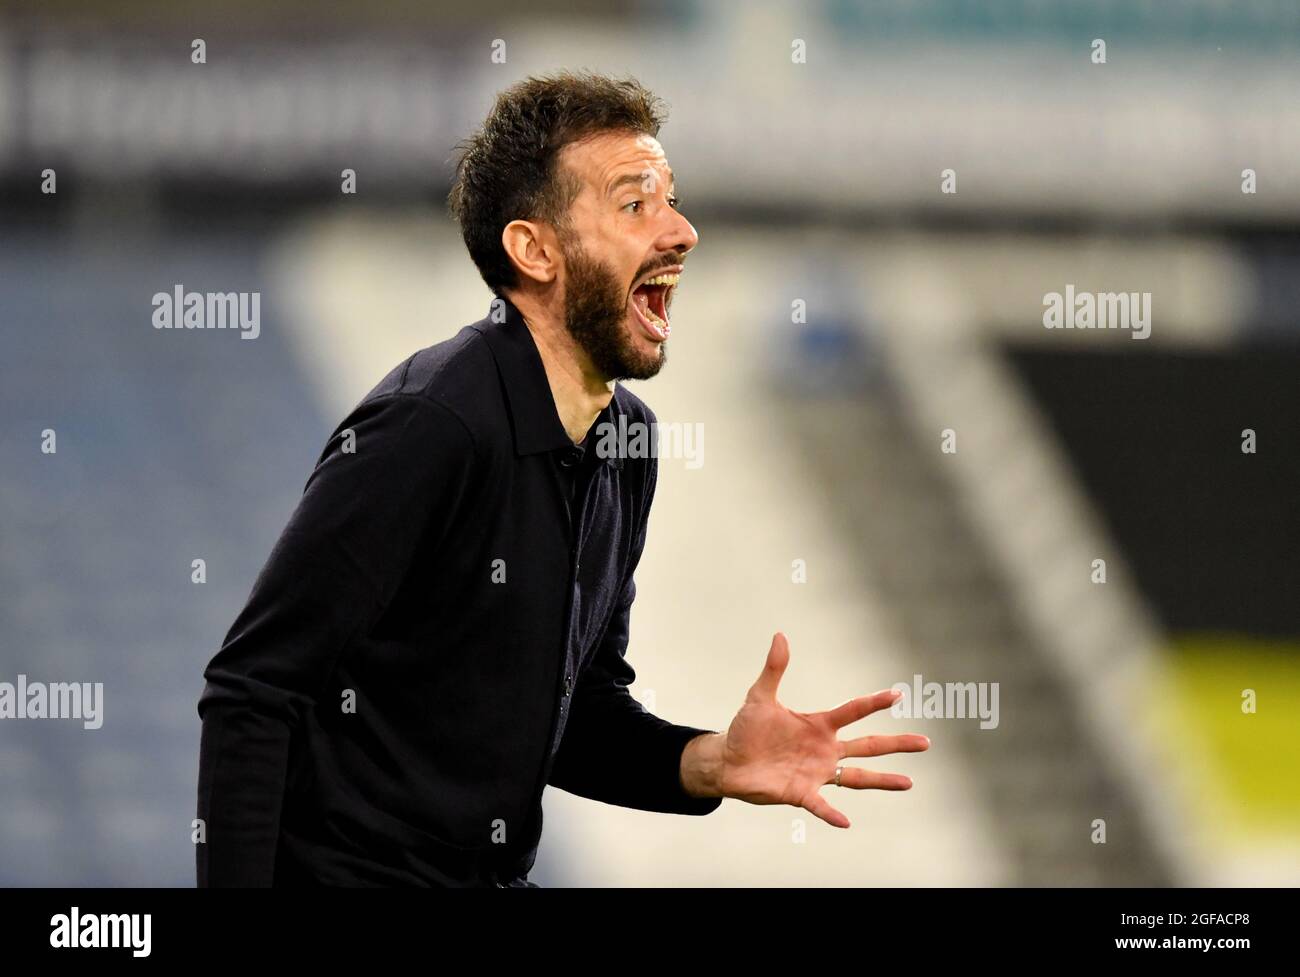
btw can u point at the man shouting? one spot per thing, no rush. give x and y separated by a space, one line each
440 630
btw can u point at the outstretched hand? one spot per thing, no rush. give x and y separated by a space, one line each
774 755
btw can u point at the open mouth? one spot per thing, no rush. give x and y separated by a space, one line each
650 302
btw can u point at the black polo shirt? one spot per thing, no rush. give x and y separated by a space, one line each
439 632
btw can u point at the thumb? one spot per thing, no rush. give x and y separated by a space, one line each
778 657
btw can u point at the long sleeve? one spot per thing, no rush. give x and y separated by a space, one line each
389 477
613 749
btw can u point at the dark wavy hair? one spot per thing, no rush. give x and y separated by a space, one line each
508 169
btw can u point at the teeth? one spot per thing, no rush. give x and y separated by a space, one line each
663 280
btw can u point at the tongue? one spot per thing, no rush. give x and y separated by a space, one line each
652 297
657 296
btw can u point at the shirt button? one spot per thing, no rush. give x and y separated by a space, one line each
569 459
568 685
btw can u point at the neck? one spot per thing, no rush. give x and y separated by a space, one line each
580 393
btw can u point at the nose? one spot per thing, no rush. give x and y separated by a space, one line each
678 235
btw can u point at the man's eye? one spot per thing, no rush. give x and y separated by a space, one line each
675 202
633 203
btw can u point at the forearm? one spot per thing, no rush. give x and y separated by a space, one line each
616 752
243 757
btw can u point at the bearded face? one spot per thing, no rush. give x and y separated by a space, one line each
599 311
623 243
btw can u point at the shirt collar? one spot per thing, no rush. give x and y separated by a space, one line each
533 418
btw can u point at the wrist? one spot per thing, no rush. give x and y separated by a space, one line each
702 765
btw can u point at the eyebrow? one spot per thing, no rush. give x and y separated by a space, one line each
636 178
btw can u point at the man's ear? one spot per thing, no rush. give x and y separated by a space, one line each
533 249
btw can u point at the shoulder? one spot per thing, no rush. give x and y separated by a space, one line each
452 384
